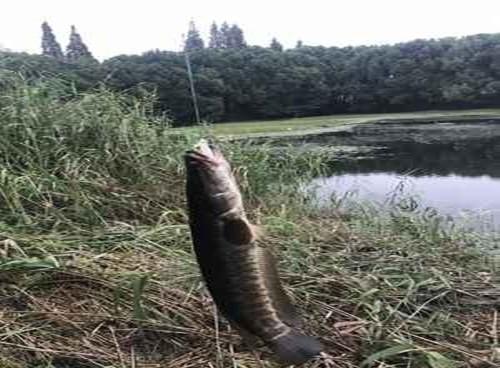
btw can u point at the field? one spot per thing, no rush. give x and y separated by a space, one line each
318 124
98 269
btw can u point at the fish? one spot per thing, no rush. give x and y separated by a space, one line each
240 273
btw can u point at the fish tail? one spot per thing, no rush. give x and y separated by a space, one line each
295 348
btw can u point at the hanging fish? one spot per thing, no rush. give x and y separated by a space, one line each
240 275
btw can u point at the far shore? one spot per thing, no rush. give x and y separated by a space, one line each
332 123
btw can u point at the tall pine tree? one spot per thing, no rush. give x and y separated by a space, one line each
215 37
77 50
193 39
50 46
224 35
236 40
275 45
231 37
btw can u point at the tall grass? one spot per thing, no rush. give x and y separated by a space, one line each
89 158
85 158
96 263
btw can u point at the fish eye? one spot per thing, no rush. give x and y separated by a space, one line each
212 146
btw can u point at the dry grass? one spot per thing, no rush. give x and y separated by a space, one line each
140 301
137 304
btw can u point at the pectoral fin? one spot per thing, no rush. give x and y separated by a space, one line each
238 231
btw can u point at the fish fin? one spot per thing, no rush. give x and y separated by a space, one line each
279 298
295 348
238 231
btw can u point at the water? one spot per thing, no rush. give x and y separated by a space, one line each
453 168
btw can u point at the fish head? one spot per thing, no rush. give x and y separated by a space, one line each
218 184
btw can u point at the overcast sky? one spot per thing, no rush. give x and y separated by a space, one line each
113 27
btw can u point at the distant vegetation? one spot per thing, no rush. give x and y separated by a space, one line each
235 81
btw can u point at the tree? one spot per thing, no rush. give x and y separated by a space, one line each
275 45
215 37
224 35
81 76
50 46
76 49
235 39
193 39
231 37
253 82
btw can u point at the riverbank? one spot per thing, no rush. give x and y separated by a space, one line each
97 267
326 124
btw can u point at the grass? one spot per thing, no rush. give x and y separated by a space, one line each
312 125
98 269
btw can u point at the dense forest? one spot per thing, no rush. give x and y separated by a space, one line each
236 81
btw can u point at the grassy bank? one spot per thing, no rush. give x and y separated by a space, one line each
320 124
98 269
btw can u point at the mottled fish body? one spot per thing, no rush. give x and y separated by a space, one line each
240 275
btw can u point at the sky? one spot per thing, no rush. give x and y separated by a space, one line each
114 27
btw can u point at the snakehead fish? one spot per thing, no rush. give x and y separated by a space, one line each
240 275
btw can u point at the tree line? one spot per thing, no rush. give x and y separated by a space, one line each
237 81
76 49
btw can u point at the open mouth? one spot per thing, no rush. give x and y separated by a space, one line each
196 158
203 155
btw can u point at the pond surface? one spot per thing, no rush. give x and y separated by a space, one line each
453 167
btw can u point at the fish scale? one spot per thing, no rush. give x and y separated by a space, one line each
250 283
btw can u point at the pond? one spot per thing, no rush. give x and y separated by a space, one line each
453 167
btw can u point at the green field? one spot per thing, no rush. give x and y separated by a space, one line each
318 124
97 268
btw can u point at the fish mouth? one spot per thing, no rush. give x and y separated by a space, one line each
204 154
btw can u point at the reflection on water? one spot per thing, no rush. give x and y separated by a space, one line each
475 199
468 159
459 177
